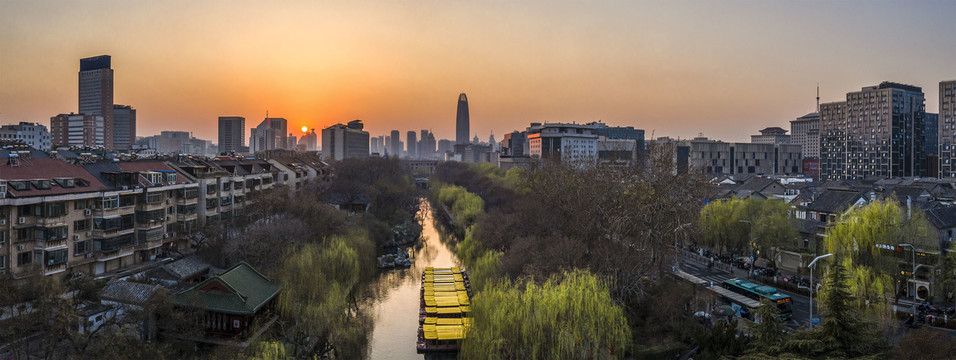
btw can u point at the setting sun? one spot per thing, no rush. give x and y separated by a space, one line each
305 129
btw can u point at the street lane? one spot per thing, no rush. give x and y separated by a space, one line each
800 303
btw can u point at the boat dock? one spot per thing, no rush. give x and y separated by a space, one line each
445 309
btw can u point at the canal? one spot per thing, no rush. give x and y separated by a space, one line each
397 300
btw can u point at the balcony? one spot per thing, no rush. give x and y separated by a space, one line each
112 232
51 244
54 269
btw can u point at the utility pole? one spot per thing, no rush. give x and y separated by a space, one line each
811 284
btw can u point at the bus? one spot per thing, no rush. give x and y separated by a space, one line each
759 292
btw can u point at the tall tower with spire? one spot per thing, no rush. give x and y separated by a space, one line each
462 123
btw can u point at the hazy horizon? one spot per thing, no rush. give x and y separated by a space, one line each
725 69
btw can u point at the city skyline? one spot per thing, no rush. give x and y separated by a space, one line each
397 65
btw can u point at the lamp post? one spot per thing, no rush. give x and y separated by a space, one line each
753 243
811 284
913 250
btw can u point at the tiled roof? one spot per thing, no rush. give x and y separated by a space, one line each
186 267
246 291
834 201
809 227
128 292
943 217
46 169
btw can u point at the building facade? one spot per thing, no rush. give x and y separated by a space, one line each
77 130
567 142
876 132
232 134
947 128
32 134
412 144
805 131
349 141
462 120
771 135
720 158
124 127
96 92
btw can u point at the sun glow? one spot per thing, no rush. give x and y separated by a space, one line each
305 129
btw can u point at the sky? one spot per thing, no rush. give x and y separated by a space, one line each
724 69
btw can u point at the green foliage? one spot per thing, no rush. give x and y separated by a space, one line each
568 317
464 206
722 229
853 241
485 270
318 282
947 288
720 341
845 332
769 332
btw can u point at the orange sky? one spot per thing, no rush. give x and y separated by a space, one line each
726 69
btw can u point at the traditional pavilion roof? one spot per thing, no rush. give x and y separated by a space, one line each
239 290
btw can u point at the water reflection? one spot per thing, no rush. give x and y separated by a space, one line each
395 296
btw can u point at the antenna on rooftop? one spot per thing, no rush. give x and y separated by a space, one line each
818 98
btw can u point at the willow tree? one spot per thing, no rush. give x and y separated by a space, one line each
571 316
723 228
856 241
318 317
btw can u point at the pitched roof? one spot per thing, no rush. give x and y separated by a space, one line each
834 201
47 169
942 218
239 290
186 267
128 292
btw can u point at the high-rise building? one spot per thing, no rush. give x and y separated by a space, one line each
426 146
513 144
771 135
232 134
124 127
876 132
720 158
96 92
345 141
412 145
396 145
566 142
947 129
805 131
269 135
374 146
445 146
32 134
77 130
462 121
309 141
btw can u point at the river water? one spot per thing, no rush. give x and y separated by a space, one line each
397 300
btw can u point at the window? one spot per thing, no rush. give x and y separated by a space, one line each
3 262
40 184
20 185
154 198
171 177
66 182
24 258
55 209
81 225
81 247
109 202
127 200
81 204
55 257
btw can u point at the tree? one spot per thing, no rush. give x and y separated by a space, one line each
925 345
845 331
769 331
571 316
722 226
854 240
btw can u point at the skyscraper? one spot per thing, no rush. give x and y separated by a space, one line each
232 134
345 141
396 149
124 127
876 132
462 121
76 130
412 145
96 92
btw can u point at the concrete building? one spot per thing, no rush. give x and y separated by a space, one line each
426 145
412 145
345 141
877 132
124 127
395 147
32 134
567 142
720 158
947 129
232 134
77 130
805 131
309 141
462 121
771 135
96 93
269 135
513 144
445 146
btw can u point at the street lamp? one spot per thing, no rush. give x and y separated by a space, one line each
811 284
753 257
913 250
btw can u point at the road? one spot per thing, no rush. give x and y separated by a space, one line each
800 305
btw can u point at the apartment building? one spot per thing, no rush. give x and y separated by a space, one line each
100 217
